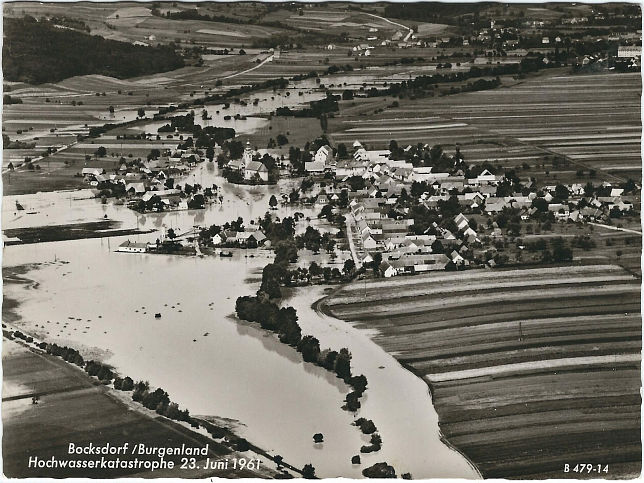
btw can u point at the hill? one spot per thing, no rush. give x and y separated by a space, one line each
39 52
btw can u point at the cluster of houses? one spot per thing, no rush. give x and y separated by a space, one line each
386 180
240 239
404 252
141 180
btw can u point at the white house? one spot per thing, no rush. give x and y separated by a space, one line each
131 247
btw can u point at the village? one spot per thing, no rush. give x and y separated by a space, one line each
404 210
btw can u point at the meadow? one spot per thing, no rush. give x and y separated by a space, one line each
528 369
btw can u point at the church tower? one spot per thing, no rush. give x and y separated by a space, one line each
248 154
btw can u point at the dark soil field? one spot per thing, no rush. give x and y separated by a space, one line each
95 229
75 408
529 369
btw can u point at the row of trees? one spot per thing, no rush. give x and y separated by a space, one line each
157 400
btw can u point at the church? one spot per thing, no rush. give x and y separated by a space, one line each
249 168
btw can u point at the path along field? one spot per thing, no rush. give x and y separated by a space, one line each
529 369
592 119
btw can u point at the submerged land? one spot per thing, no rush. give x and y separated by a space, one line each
435 200
44 429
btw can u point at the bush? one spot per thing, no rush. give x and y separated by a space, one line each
241 444
379 470
367 426
127 384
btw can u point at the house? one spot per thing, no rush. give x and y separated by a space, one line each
219 238
324 155
411 264
458 259
250 239
91 173
135 188
131 247
368 242
629 51
494 207
314 166
387 269
461 221
255 169
236 165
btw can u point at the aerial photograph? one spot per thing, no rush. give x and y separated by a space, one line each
319 240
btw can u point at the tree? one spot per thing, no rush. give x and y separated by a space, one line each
540 204
285 251
127 384
281 140
111 109
342 150
287 326
308 471
140 112
171 234
561 192
379 470
315 270
101 151
273 201
309 346
377 260
347 95
349 266
324 123
342 366
326 212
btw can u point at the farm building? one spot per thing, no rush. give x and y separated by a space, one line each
132 247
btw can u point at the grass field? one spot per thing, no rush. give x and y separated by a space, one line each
529 369
593 120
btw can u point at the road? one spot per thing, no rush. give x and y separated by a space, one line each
609 227
409 33
267 59
352 247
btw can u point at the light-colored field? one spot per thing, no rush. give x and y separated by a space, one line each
529 369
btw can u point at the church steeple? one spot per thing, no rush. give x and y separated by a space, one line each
248 154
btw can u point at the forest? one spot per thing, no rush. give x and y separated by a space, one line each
37 52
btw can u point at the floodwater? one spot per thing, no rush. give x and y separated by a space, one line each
397 401
87 296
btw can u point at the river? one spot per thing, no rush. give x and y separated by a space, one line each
87 296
